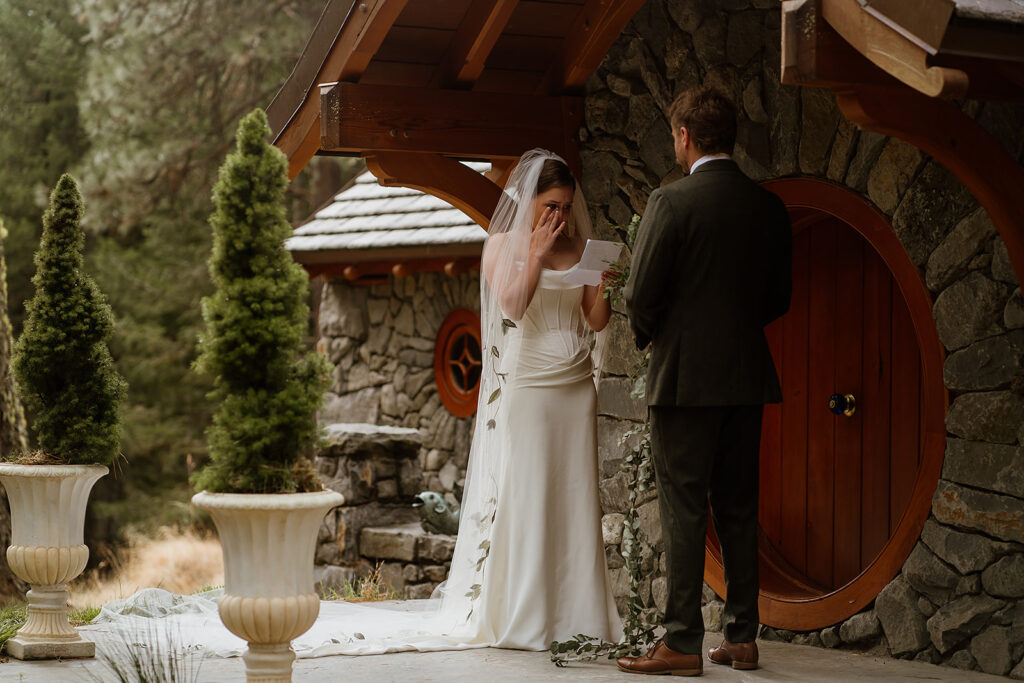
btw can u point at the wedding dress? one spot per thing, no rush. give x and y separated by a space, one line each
529 565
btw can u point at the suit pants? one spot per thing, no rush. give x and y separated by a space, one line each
704 454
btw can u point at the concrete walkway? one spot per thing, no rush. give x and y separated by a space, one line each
780 662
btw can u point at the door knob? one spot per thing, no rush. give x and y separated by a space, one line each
842 404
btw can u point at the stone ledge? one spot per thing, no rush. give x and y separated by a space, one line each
359 440
406 542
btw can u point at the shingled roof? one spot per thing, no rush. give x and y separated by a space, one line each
368 216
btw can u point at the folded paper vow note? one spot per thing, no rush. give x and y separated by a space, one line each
597 257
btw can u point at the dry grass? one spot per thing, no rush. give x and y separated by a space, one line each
37 457
369 588
178 561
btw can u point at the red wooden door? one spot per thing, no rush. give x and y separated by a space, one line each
834 487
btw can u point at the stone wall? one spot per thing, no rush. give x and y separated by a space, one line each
412 562
959 599
381 339
388 435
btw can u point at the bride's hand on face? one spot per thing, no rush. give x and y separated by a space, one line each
545 233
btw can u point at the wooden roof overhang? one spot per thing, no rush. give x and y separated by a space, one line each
893 65
414 85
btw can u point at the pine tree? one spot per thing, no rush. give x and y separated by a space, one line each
167 85
13 437
63 367
267 387
42 68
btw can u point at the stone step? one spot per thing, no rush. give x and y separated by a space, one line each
407 543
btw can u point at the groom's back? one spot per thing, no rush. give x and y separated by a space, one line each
732 277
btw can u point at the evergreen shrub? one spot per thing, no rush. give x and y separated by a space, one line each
62 365
268 387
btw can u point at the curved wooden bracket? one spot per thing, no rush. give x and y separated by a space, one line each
958 143
460 186
892 50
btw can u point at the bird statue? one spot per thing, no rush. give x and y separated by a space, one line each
437 516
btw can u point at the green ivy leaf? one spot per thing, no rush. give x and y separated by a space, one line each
494 396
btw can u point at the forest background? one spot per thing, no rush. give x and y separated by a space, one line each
139 100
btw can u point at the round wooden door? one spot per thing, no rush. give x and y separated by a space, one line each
837 486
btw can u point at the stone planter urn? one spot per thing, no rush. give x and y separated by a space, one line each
47 550
268 541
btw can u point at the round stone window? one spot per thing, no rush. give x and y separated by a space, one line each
458 362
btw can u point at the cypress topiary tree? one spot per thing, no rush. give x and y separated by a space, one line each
65 375
267 386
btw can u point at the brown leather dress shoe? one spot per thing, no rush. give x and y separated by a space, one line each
740 655
664 661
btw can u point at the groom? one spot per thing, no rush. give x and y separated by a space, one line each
711 268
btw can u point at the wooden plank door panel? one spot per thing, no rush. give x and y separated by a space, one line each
792 539
821 383
770 470
849 314
906 418
875 405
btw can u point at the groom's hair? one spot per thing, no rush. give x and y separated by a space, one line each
708 116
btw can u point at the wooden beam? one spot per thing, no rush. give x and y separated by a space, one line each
440 252
814 54
596 27
959 143
460 186
891 50
366 271
501 169
921 21
366 119
364 29
475 38
460 266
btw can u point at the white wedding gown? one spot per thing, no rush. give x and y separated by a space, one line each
546 577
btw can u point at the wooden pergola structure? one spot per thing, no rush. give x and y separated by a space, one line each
413 85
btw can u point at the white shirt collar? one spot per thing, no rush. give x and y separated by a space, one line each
706 158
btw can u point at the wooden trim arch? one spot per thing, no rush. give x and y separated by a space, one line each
806 613
956 141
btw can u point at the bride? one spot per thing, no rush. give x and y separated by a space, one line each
529 565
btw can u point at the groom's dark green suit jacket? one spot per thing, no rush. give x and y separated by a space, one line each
710 268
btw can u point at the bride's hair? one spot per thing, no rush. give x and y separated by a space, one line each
555 173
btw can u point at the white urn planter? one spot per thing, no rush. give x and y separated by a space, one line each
47 550
268 542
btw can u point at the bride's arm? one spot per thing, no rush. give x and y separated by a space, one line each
515 284
596 309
